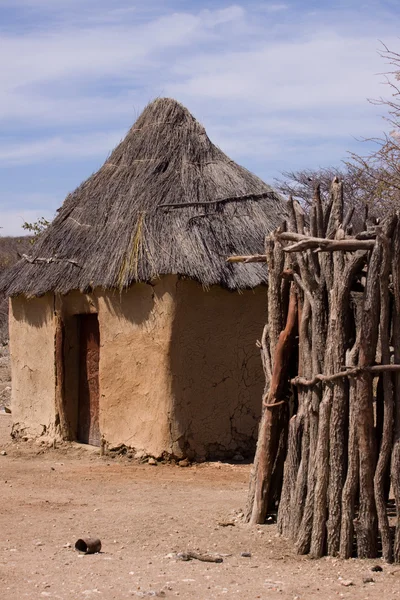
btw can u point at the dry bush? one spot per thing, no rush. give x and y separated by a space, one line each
301 186
379 171
371 181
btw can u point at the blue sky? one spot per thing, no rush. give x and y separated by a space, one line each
278 85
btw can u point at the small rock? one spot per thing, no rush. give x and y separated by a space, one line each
67 545
3 453
245 554
238 458
182 556
140 454
157 594
269 519
184 463
376 569
152 461
273 585
368 580
346 582
39 544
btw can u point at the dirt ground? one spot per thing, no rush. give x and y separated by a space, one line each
144 514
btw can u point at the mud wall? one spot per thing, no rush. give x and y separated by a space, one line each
135 378
216 370
32 331
179 369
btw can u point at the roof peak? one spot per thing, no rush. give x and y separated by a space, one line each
164 112
166 201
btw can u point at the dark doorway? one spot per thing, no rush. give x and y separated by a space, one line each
88 395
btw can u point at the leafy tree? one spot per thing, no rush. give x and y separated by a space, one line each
36 228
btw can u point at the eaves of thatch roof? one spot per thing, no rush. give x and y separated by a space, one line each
166 201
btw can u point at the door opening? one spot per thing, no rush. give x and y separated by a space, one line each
88 389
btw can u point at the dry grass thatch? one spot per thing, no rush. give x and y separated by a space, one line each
167 201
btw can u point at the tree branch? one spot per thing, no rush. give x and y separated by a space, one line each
52 259
374 370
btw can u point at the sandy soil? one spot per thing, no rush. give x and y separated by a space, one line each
143 514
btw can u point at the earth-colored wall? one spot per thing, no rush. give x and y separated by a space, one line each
32 330
135 379
216 370
179 369
134 374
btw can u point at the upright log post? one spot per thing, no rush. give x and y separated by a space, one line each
366 523
352 478
275 259
61 418
274 403
395 467
388 413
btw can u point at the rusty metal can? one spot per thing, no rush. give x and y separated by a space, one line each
88 546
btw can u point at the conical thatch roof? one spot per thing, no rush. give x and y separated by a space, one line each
167 201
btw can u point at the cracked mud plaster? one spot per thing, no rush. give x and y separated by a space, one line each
217 377
179 370
135 379
32 331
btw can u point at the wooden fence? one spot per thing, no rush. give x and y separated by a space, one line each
328 453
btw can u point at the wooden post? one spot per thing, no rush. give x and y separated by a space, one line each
61 418
274 403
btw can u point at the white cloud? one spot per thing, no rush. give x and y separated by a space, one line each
269 81
102 51
273 7
53 148
51 75
56 76
314 73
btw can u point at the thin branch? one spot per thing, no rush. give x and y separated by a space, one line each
247 259
307 243
52 259
298 280
348 218
218 201
374 370
274 404
325 245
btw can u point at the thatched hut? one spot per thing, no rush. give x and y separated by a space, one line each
126 322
